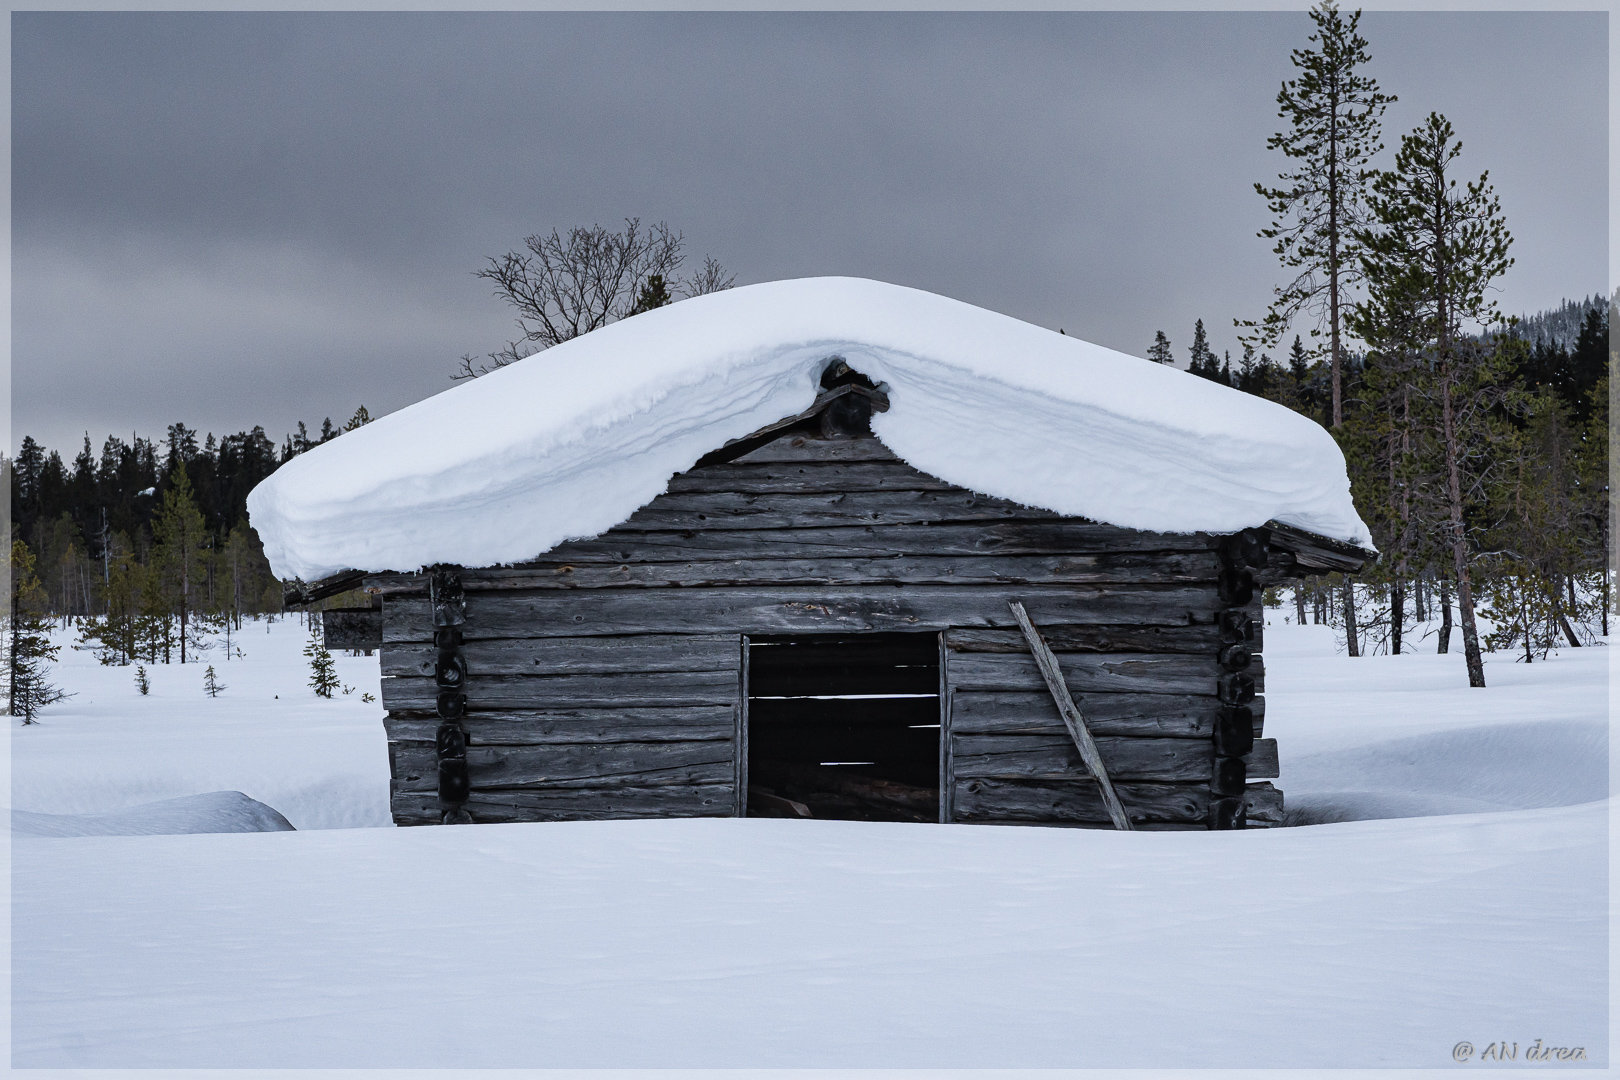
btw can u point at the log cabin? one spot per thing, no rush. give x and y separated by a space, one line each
826 615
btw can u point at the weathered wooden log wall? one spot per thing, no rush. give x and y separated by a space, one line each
606 679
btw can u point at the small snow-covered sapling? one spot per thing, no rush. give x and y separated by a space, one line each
211 683
141 683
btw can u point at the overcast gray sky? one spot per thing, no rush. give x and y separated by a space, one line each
230 219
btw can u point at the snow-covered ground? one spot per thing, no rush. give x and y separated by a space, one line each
713 943
323 764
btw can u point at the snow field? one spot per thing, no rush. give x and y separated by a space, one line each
321 763
712 943
717 943
1406 736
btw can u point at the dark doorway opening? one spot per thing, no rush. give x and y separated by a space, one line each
844 727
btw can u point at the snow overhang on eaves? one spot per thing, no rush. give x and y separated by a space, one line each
570 442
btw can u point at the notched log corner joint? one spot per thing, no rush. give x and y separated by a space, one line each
449 605
1241 554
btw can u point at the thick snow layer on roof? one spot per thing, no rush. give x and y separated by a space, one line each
569 443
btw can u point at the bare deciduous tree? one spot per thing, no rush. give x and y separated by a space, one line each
711 278
565 286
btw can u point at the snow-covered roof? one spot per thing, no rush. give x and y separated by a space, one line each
568 443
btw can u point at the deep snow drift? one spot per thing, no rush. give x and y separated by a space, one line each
569 443
758 943
211 812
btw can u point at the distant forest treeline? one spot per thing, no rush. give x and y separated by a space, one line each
1564 351
112 533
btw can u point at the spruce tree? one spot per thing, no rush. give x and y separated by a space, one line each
1387 443
1203 358
180 533
1594 494
322 669
1299 365
1531 597
142 684
29 651
654 293
1159 351
1588 361
211 684
1333 111
1252 375
118 635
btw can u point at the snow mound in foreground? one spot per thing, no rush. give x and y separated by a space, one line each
213 812
568 444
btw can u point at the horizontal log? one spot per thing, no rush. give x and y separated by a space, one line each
1263 805
889 568
1310 553
806 476
798 447
546 726
1078 801
1202 640
734 510
1042 757
415 765
1057 536
1093 672
1062 536
517 692
352 628
1031 712
574 655
790 610
573 804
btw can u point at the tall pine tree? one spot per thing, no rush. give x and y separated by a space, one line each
1434 253
1333 111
